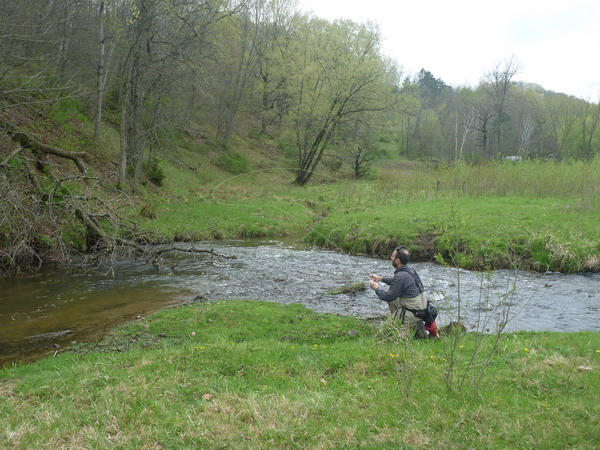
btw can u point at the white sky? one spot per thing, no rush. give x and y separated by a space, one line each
556 42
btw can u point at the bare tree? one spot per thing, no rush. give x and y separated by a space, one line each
485 113
527 128
32 46
101 70
240 38
65 11
466 129
274 22
157 55
498 82
563 117
590 120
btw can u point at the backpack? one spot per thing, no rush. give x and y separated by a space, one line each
427 315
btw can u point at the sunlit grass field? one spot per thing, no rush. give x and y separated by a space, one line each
263 375
538 215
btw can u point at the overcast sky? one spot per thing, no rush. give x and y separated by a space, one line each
556 42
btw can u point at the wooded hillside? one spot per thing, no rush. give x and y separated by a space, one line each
151 74
220 67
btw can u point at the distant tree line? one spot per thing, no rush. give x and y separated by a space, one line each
211 69
500 117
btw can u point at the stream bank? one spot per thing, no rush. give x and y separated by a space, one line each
42 313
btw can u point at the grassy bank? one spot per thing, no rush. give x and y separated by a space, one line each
261 375
535 215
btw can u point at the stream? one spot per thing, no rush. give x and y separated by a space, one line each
42 313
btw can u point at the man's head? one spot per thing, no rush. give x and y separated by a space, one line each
400 257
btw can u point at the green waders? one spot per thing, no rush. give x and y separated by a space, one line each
399 311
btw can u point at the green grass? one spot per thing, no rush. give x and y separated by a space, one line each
489 232
536 215
262 375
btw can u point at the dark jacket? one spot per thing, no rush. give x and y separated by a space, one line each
405 283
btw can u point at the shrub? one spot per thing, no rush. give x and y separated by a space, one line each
287 149
154 172
232 162
254 133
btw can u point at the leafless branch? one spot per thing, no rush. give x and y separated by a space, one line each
11 156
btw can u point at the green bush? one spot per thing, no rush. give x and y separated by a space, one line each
287 149
154 171
233 163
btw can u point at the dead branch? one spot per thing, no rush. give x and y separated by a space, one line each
191 250
92 224
11 156
58 182
38 147
77 157
156 255
108 233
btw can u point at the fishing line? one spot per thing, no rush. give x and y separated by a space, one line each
353 263
309 226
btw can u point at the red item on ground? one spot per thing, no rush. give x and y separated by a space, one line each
431 329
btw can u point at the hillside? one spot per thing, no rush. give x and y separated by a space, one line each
59 195
536 215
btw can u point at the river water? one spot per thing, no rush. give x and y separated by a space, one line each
40 314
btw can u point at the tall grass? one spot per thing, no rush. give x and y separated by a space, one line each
538 215
541 214
534 178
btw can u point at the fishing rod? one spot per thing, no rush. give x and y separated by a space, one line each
326 239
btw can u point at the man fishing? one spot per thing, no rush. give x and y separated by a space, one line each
405 296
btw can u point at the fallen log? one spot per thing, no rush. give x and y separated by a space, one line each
41 150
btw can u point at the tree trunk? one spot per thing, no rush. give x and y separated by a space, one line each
135 144
455 135
123 145
309 164
65 39
100 72
265 107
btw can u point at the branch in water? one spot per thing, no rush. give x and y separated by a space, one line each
158 254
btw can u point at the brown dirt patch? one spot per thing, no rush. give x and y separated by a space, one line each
7 390
425 248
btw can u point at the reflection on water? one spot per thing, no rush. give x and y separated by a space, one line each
44 312
40 313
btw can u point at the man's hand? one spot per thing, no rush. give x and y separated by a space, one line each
374 284
376 278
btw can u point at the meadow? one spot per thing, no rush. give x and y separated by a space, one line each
251 374
536 215
248 374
